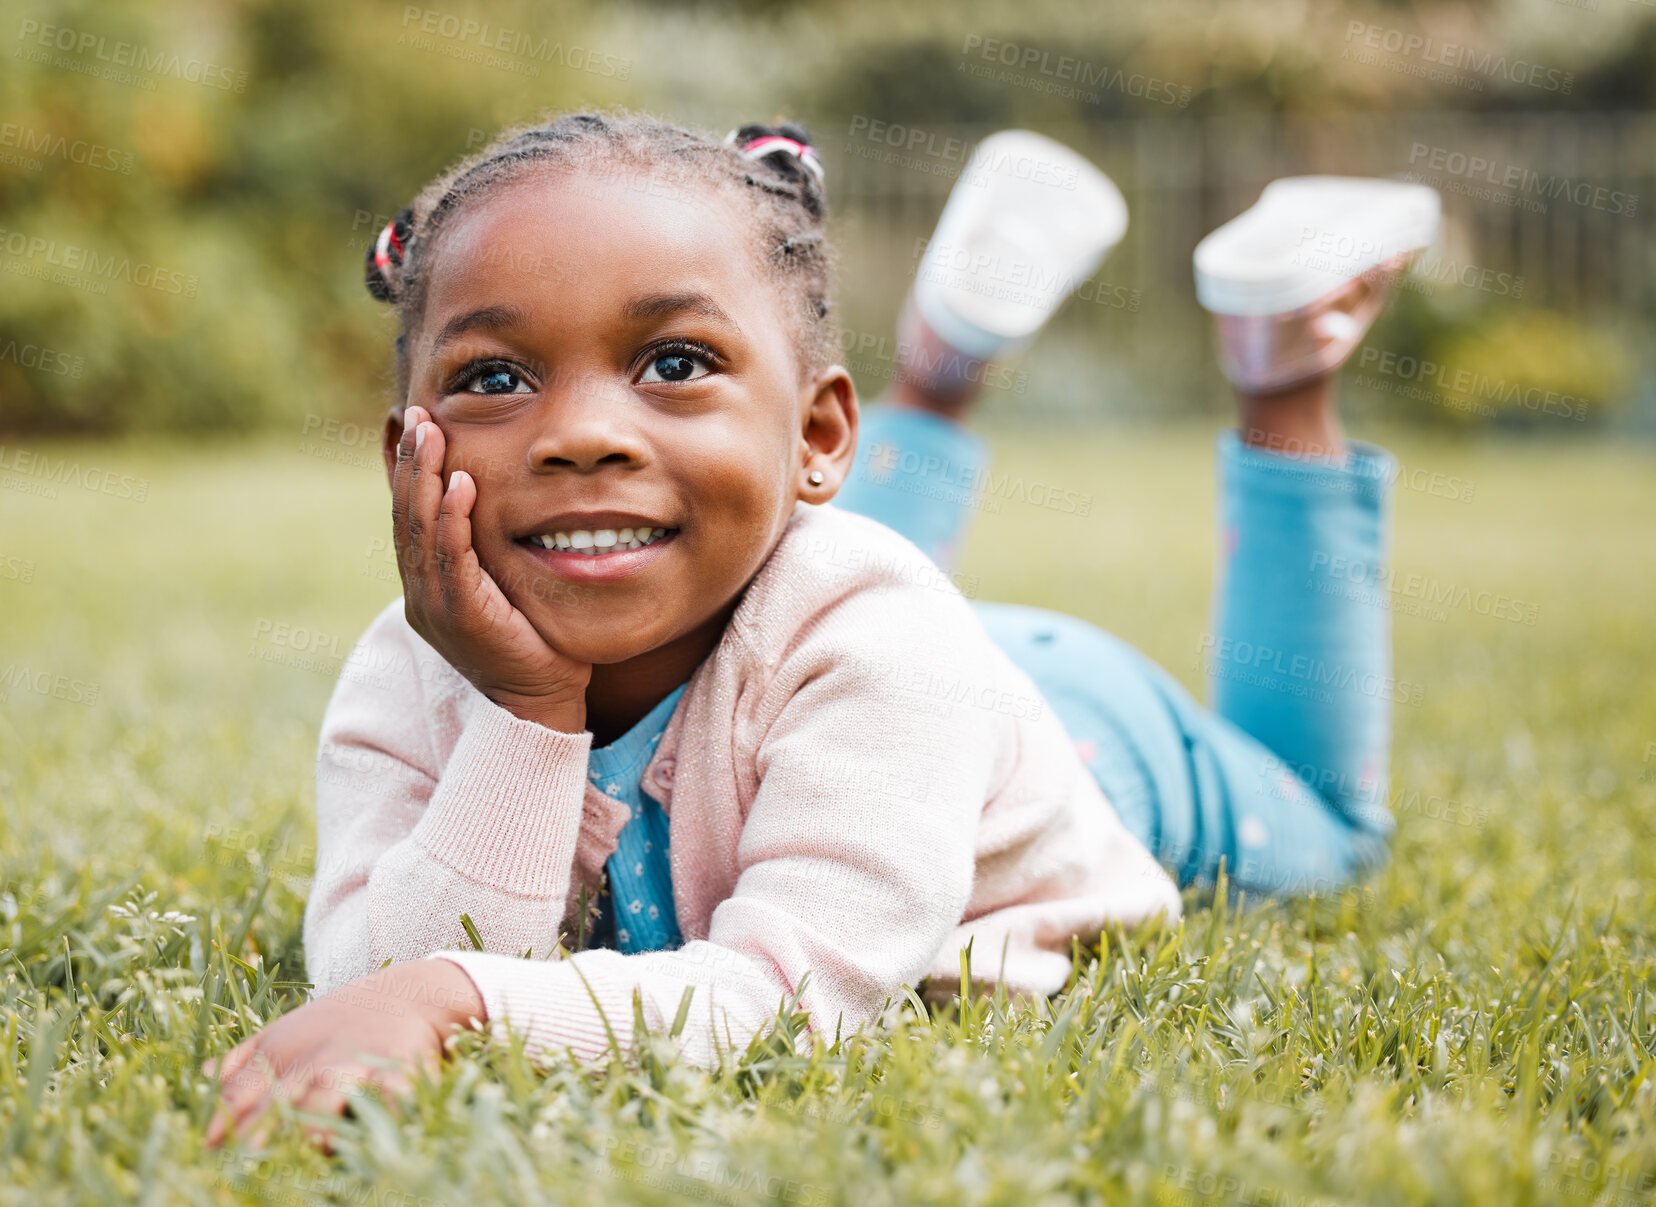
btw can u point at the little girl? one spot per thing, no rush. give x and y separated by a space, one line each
656 712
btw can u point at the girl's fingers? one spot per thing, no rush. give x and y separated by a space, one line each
400 479
330 1097
222 1068
333 1098
425 497
393 1081
258 1119
460 575
239 1091
315 1131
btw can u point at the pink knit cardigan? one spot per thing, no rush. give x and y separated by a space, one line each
858 782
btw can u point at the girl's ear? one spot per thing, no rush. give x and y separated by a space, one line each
828 440
389 440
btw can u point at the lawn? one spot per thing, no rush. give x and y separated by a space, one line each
1476 1024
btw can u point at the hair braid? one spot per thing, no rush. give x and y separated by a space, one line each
783 193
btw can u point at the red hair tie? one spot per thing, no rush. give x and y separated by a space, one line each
759 147
387 239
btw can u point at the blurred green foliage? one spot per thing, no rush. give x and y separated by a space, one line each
256 199
1536 364
1439 360
187 189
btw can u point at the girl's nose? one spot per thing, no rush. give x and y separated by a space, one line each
584 423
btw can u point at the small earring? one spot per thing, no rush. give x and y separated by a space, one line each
814 477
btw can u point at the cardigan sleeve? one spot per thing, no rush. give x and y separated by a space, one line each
855 860
407 840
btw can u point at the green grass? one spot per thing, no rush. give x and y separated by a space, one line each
1475 1025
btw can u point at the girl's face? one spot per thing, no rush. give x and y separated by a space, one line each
601 353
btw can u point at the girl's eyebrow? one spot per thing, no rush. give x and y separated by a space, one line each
490 318
661 305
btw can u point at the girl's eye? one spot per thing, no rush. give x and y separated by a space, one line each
497 381
675 366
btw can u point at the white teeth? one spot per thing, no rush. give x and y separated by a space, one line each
602 540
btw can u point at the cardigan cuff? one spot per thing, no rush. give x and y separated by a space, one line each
545 1001
507 809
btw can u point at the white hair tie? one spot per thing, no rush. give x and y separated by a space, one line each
759 147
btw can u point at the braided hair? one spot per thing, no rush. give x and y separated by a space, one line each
781 186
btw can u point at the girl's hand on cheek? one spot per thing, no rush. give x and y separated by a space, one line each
452 602
366 1035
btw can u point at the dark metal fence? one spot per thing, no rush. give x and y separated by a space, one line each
1540 210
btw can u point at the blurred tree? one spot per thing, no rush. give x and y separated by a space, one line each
186 189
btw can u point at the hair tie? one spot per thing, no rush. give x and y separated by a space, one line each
759 147
387 240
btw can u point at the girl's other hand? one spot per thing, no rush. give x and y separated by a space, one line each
453 603
367 1035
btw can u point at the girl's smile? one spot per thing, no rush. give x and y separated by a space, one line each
592 547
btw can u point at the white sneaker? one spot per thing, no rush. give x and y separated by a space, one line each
1028 220
1308 235
1295 282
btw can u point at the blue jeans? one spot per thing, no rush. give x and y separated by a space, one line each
1285 778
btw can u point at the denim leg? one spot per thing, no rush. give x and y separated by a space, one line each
1300 652
918 473
1186 782
1286 781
